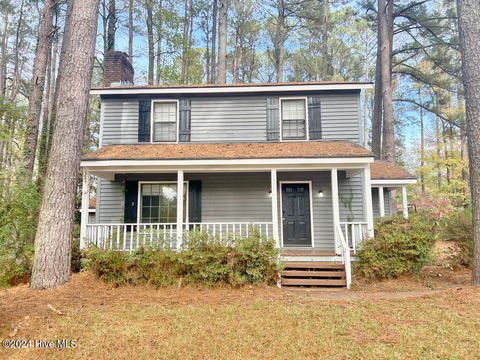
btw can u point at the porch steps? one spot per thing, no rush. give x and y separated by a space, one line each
313 274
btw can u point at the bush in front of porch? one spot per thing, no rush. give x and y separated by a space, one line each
400 247
204 260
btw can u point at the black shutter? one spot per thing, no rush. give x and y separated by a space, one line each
185 119
314 118
144 120
131 200
195 201
273 120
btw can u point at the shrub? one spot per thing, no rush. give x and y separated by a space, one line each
400 247
205 260
458 228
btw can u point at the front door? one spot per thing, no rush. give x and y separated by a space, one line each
296 215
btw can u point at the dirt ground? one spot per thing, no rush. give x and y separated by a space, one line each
436 315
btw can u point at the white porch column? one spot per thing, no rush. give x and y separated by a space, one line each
404 202
381 201
367 198
84 208
274 189
335 206
180 178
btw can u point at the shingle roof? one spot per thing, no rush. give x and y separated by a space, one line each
384 170
225 151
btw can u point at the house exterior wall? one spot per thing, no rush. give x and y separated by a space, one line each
233 118
119 123
244 197
386 199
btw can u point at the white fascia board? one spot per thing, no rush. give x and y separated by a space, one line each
232 162
393 183
227 89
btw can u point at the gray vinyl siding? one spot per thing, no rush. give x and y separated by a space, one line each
110 202
120 121
386 200
233 119
341 117
350 197
229 119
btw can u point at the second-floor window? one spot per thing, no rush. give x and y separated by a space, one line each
164 121
294 119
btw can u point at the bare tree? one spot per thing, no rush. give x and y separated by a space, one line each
388 150
44 45
186 43
469 26
222 42
130 30
53 239
325 40
213 59
151 53
112 25
279 39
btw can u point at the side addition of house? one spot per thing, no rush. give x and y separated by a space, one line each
287 160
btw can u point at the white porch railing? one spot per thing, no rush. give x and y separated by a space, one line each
233 229
129 237
345 254
354 233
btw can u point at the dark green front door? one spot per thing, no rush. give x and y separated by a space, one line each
296 215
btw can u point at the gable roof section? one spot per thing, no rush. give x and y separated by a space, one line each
384 170
227 151
231 88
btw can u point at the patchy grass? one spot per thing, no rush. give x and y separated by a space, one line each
248 323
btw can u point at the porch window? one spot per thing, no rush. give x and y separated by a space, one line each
165 121
294 119
158 203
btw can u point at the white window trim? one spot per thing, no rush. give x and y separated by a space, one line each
307 135
177 120
139 196
310 185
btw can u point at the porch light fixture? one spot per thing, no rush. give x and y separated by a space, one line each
320 193
270 193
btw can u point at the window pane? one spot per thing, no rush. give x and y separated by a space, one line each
165 121
161 204
293 119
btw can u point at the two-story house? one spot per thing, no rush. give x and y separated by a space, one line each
285 159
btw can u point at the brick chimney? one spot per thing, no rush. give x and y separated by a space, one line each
118 70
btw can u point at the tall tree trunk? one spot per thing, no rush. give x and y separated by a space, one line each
3 55
159 27
151 53
468 15
47 129
187 22
422 145
222 42
130 30
51 266
325 40
44 46
378 103
16 55
279 40
388 150
112 25
213 59
439 152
